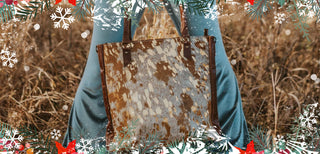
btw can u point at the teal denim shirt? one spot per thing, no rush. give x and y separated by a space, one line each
88 117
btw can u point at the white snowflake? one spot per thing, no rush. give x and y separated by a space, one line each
279 18
280 141
212 13
12 139
9 59
107 18
308 8
62 18
308 118
301 147
84 146
55 134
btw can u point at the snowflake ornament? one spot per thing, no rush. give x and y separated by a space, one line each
84 146
11 139
107 18
308 8
212 13
9 59
308 118
279 18
62 18
55 134
280 142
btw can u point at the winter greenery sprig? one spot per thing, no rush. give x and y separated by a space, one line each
299 10
305 136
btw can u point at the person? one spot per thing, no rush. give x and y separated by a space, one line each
88 117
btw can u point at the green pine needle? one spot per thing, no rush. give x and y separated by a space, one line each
6 12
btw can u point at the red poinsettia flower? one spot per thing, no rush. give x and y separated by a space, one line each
73 2
250 149
251 1
69 150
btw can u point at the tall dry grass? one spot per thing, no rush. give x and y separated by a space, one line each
273 69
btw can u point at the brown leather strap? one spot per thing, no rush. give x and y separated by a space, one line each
110 130
126 39
214 118
184 32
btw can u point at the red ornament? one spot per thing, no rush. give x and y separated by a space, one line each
28 145
69 150
15 2
73 2
21 147
251 1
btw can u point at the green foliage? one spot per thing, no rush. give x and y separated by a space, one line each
298 13
44 144
121 141
83 9
257 10
6 12
199 7
32 9
261 138
175 144
299 20
30 135
150 144
305 129
37 140
4 127
281 2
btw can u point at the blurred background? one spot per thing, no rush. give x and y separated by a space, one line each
271 59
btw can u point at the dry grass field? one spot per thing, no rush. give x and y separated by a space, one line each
273 64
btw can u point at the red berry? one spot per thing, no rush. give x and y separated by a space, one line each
9 2
21 147
15 2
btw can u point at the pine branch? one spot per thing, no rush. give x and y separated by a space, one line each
83 9
301 22
6 12
32 8
257 10
4 128
260 137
